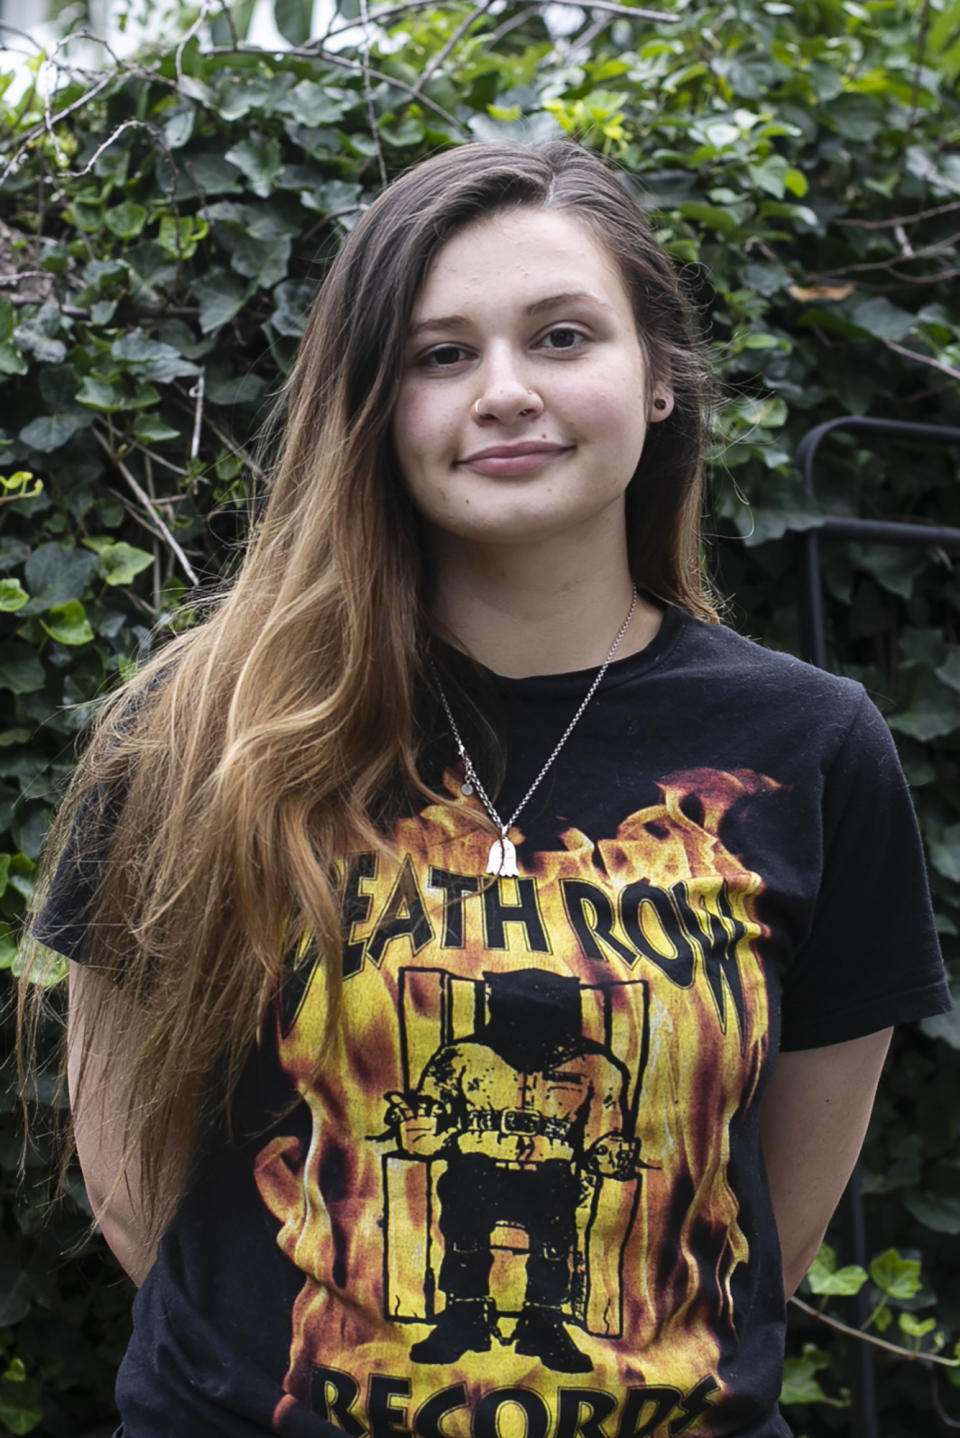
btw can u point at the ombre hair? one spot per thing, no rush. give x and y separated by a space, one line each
223 781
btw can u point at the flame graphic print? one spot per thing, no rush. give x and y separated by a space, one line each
515 1213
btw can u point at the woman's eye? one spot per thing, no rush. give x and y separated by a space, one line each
442 357
563 337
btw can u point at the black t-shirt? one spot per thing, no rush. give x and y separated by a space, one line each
524 1193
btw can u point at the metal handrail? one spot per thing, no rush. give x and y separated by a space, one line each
814 648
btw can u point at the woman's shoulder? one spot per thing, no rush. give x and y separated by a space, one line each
725 655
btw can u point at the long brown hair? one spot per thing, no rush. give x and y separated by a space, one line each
222 782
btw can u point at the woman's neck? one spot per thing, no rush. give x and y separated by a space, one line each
520 617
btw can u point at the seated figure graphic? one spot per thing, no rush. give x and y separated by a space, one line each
524 1112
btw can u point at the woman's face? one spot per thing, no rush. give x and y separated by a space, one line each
524 401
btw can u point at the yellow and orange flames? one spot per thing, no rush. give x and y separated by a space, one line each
659 1251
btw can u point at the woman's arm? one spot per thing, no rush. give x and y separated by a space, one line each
98 1125
814 1116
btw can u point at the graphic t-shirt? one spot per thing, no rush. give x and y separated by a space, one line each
520 1193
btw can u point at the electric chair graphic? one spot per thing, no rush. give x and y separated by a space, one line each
525 1081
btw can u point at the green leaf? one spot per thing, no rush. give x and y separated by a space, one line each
121 561
151 429
51 431
220 297
179 127
109 398
878 317
126 220
236 389
949 670
800 1383
915 1327
898 1278
795 181
930 711
19 1415
893 567
11 360
293 300
259 159
944 851
55 573
48 968
179 237
150 358
941 1212
292 19
710 215
770 175
35 338
8 944
13 596
21 671
67 623
824 1277
856 117
265 261
313 105
945 1026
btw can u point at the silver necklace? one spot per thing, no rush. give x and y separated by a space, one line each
502 860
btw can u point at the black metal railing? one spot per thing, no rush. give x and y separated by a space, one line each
814 649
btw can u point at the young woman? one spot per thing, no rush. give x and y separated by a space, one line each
482 960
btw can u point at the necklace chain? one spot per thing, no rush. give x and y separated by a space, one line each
502 856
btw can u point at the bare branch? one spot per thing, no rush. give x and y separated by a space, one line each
900 235
156 458
454 39
127 125
923 359
920 47
870 1338
497 35
15 279
226 14
938 247
942 1414
24 34
390 12
197 393
46 124
632 12
902 219
368 92
188 36
157 576
312 52
228 442
145 500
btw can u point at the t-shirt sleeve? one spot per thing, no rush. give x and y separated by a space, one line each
63 922
871 957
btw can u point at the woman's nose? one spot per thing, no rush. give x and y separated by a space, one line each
505 395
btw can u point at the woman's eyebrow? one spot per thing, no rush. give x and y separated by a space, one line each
446 323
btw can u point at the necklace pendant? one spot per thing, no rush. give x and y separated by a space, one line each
503 858
466 789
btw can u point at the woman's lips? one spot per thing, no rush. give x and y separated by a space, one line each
515 459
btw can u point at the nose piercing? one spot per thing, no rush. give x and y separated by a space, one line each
478 413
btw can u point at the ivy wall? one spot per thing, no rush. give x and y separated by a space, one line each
162 228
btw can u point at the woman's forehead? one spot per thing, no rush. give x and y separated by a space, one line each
528 256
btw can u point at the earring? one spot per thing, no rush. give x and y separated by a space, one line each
659 402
